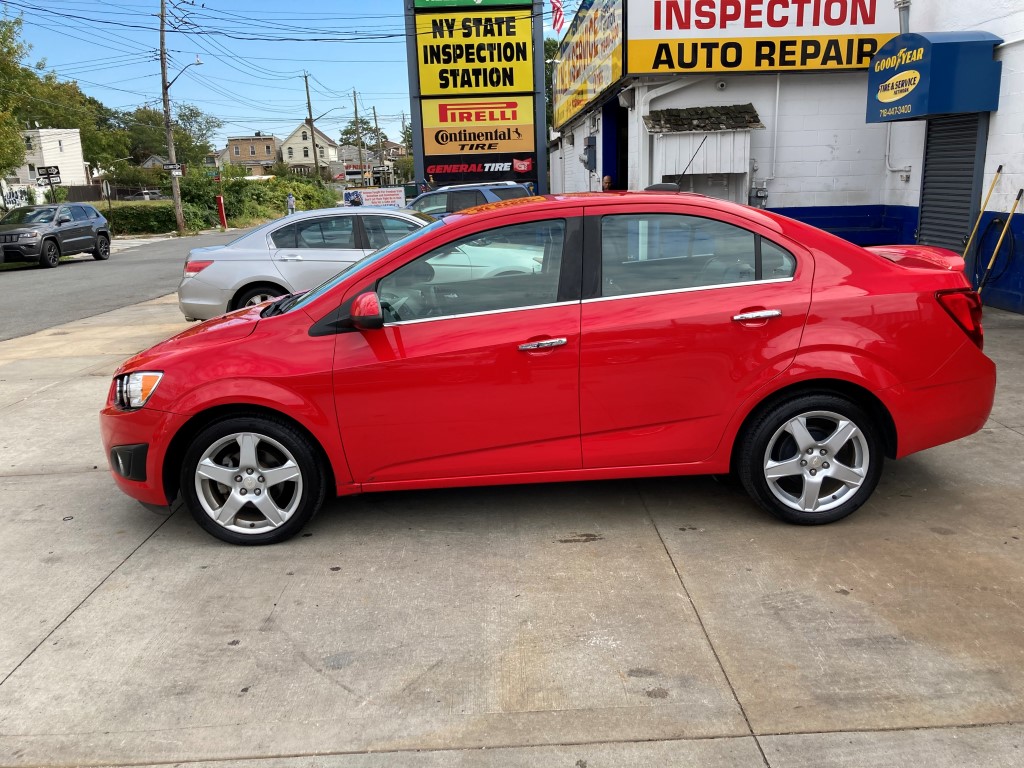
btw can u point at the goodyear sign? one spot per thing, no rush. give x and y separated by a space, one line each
469 52
915 76
667 36
477 126
589 58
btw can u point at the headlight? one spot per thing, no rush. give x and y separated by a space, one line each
133 390
29 235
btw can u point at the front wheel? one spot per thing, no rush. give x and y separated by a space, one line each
811 460
252 480
50 257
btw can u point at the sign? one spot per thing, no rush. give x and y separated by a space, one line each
450 169
172 166
916 76
382 197
589 58
48 170
671 36
42 181
427 4
475 52
479 125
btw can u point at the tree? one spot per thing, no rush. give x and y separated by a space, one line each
406 140
371 137
193 133
550 54
146 135
12 75
403 168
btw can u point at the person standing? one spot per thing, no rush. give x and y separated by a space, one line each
290 200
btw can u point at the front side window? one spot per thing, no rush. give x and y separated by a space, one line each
78 213
384 230
648 253
432 204
501 269
329 232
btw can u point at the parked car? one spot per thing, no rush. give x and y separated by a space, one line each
458 197
286 256
661 334
44 233
147 194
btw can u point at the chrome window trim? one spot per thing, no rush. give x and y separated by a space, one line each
691 290
481 314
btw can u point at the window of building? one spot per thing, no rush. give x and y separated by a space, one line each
305 136
60 145
291 153
266 147
31 171
252 150
237 151
28 142
305 151
321 151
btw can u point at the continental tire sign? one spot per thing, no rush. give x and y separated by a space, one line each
472 52
667 36
480 125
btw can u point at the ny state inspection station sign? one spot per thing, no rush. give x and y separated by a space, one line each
669 36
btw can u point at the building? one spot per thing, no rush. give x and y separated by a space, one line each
154 161
297 149
61 147
257 152
765 104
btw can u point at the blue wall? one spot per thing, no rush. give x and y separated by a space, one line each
896 224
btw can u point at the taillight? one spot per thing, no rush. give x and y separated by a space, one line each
193 268
964 306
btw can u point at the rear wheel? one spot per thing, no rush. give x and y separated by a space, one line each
252 480
50 257
102 250
257 295
811 460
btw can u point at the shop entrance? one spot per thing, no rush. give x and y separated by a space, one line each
614 143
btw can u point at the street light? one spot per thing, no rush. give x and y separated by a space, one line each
179 213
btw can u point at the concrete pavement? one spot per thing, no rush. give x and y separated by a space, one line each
658 622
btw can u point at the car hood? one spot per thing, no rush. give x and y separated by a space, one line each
220 330
19 228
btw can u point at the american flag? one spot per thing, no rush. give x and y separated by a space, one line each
557 16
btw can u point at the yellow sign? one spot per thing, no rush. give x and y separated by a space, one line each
589 58
475 52
477 126
898 86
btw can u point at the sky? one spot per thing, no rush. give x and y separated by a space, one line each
254 53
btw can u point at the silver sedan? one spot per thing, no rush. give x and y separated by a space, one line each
289 255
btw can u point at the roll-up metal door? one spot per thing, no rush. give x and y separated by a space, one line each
954 153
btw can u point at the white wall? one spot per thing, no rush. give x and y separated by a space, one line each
567 173
56 146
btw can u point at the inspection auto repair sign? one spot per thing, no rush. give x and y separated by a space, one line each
667 36
479 125
475 51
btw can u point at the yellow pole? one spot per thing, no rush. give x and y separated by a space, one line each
995 253
984 207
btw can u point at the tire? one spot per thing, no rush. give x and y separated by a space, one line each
264 497
250 297
811 460
50 256
102 250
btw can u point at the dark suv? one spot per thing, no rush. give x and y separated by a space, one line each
458 197
44 233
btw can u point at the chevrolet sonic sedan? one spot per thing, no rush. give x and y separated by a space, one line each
657 334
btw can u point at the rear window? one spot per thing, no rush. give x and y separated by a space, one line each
510 193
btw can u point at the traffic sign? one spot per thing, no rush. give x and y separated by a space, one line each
48 170
172 166
42 181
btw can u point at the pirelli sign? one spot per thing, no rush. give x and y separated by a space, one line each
668 36
478 126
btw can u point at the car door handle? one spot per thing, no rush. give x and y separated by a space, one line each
546 344
761 314
290 257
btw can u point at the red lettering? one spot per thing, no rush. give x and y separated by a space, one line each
752 17
704 11
731 11
773 6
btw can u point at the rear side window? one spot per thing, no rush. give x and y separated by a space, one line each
336 232
647 253
436 203
465 198
284 237
384 230
510 193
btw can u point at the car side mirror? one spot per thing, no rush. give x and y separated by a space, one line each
366 312
63 218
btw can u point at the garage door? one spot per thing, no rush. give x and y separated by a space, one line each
954 156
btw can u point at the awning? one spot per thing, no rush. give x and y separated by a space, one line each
915 76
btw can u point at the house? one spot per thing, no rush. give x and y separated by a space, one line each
297 149
61 147
217 158
154 161
257 152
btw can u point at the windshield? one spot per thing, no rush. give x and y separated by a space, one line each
30 215
366 261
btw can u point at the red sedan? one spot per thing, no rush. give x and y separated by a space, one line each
564 338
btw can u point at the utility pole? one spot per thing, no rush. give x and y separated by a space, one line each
312 130
380 145
359 139
179 213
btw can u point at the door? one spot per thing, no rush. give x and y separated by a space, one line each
84 234
69 231
469 377
692 315
382 229
309 251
